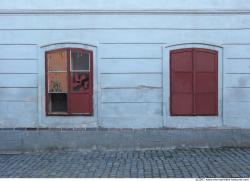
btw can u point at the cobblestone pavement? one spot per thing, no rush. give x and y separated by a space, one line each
222 162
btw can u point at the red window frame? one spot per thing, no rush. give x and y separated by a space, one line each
194 77
88 92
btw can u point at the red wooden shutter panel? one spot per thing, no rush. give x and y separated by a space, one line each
193 82
206 78
181 82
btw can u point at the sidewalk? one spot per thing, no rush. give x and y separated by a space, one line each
220 162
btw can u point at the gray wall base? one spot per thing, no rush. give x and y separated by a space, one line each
22 141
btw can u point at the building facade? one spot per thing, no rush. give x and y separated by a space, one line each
125 64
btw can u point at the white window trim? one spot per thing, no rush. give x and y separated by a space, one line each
190 121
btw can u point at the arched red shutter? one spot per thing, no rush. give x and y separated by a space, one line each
193 82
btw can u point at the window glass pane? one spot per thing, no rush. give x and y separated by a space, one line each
79 61
57 82
57 102
79 81
57 61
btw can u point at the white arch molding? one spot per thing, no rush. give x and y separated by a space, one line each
190 121
65 121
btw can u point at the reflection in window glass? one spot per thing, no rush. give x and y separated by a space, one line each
80 81
57 61
57 102
79 61
58 82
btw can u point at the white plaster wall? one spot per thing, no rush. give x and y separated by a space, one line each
129 37
126 5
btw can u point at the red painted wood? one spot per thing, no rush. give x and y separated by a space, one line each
46 85
193 82
80 103
181 80
206 89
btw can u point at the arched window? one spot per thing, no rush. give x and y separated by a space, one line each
194 82
69 82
